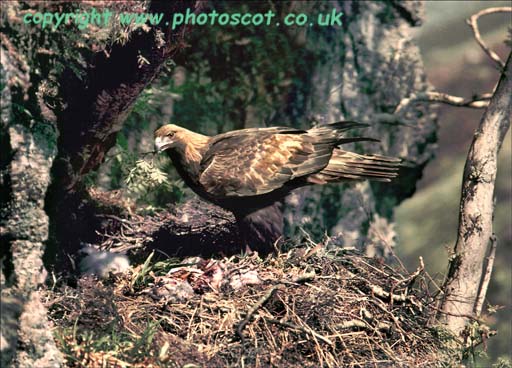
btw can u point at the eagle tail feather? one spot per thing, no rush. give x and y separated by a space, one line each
336 128
345 125
345 165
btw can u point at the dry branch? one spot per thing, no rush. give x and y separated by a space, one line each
305 330
477 102
473 23
463 283
254 308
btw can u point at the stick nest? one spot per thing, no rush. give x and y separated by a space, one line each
308 307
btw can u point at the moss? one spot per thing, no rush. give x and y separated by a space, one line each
45 135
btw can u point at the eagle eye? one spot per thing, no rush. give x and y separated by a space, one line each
170 134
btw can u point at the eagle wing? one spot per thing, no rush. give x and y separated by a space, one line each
257 161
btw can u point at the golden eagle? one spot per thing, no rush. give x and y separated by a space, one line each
250 171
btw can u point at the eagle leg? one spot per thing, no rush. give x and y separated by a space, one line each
261 228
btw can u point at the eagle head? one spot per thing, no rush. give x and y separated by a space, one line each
169 136
182 142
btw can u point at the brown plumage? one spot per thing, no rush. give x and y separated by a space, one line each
250 171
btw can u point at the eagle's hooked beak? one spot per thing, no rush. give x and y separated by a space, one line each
162 143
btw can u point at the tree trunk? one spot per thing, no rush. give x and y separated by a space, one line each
28 149
95 109
463 286
366 67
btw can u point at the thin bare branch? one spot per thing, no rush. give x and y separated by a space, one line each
412 277
254 308
477 102
487 277
473 23
305 329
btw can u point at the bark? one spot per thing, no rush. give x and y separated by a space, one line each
95 107
474 236
29 149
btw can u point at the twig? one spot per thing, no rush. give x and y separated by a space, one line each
477 102
395 320
307 330
255 307
380 292
412 277
487 276
382 326
308 276
473 23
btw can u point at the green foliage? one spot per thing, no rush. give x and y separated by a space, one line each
89 345
45 134
151 181
163 267
143 344
140 276
144 177
147 106
145 181
147 272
